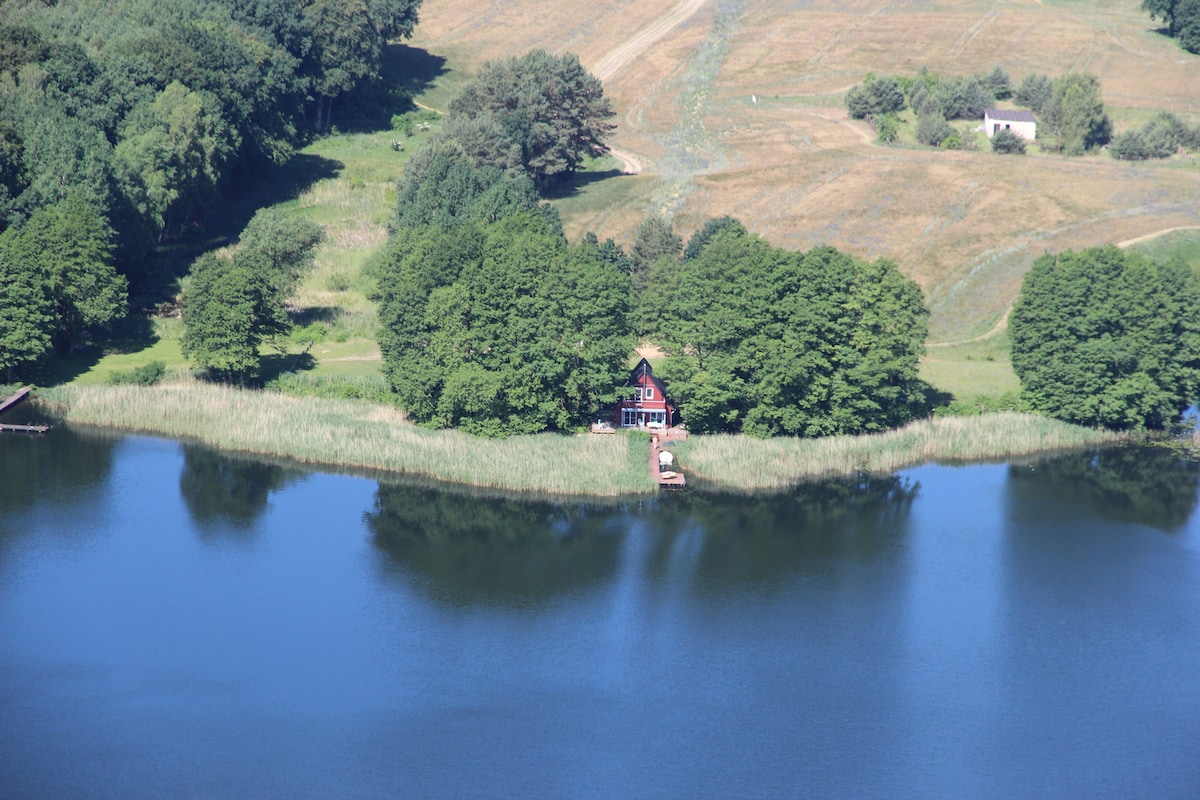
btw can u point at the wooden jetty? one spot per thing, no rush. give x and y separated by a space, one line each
14 400
668 480
21 394
24 428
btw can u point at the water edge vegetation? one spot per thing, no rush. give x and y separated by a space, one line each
357 434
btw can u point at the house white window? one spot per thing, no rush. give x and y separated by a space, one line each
649 392
637 393
628 418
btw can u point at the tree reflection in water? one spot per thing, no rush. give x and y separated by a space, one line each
475 548
1152 486
464 547
63 462
223 490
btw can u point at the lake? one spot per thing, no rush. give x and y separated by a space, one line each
177 622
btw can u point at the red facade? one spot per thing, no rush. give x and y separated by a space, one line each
646 404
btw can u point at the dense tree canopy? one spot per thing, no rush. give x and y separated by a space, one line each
1107 337
767 341
875 97
232 305
1005 141
502 328
148 107
549 107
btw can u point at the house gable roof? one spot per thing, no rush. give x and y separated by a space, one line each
1009 115
643 368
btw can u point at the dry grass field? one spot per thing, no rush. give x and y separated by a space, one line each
794 168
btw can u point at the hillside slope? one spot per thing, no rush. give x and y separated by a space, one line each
795 169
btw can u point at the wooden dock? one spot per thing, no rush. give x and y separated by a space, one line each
21 394
12 401
24 428
670 480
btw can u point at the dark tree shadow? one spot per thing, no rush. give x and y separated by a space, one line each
307 316
155 280
405 71
411 68
132 334
576 182
271 366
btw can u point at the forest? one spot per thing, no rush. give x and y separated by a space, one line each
123 124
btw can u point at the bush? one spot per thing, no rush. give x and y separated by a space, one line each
887 128
1128 146
952 142
145 375
1007 142
932 129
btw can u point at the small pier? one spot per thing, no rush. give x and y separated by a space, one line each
15 400
671 479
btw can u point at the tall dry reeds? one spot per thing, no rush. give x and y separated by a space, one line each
357 434
748 464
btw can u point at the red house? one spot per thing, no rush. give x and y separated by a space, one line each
647 405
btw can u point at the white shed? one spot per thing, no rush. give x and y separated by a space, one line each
1021 123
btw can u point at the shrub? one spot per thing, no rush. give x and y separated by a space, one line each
1128 146
887 128
932 128
1007 142
145 375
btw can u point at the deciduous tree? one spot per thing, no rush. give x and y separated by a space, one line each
550 107
1108 337
502 328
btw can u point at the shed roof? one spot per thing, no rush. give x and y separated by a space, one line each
1009 115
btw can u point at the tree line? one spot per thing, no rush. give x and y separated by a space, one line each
1069 108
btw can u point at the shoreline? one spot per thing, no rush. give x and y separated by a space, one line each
359 435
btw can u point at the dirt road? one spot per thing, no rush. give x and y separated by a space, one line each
612 63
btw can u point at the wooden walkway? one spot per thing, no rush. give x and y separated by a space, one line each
24 428
21 394
12 401
672 480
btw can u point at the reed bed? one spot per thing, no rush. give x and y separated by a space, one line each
359 435
747 464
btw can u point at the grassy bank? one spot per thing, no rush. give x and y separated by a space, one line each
355 434
746 464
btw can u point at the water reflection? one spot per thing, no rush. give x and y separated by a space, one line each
760 539
465 548
1151 486
228 491
61 463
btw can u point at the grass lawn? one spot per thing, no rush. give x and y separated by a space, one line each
971 369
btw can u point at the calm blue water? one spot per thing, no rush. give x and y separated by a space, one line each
179 623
